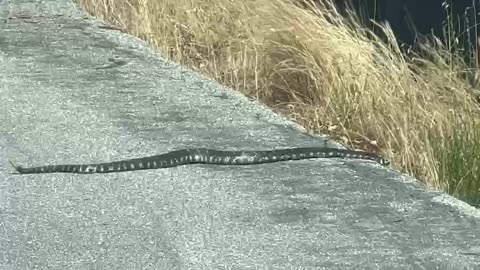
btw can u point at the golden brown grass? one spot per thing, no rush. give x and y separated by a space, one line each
310 64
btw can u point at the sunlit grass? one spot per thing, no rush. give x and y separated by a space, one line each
459 161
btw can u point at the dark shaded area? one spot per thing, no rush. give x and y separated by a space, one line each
414 20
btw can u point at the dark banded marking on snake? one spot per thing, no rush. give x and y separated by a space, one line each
204 156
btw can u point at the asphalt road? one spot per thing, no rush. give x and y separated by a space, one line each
73 92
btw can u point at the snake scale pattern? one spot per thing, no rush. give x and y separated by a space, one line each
205 156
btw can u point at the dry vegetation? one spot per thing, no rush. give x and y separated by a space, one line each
325 74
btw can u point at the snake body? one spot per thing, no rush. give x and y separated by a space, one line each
205 156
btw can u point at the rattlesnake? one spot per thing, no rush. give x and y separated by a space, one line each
205 156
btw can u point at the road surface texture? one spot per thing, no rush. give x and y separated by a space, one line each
72 91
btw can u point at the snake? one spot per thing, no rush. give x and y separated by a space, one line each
204 156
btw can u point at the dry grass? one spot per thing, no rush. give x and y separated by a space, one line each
310 64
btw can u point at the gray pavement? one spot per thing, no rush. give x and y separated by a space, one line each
74 92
